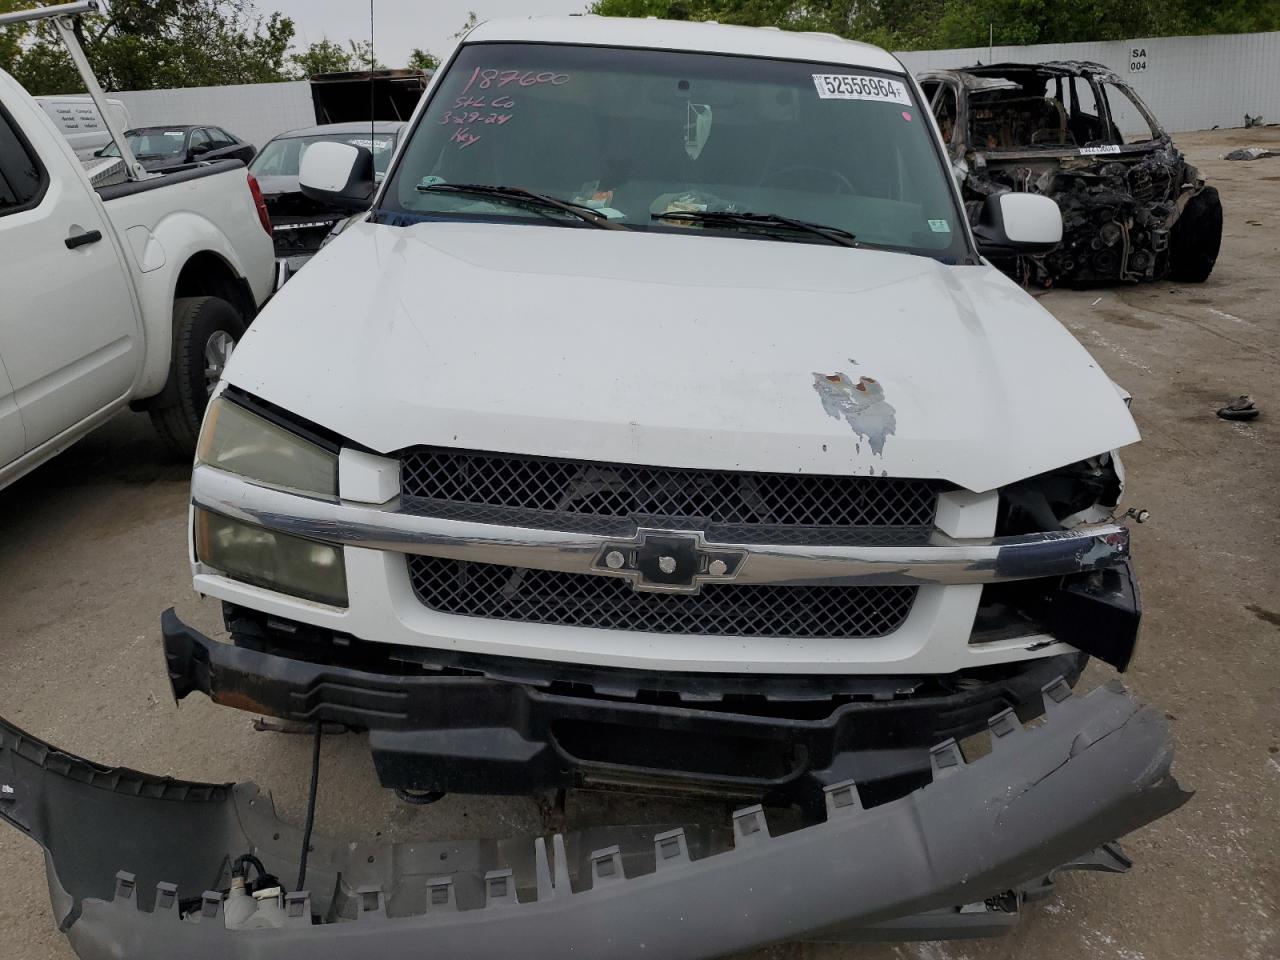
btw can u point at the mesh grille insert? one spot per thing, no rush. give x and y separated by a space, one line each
575 489
519 594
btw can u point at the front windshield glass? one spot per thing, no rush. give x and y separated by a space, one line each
633 133
151 143
282 156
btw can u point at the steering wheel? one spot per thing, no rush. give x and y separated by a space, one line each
840 179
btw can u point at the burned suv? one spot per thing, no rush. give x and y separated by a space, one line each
1133 209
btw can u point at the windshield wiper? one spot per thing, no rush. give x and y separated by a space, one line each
525 197
761 221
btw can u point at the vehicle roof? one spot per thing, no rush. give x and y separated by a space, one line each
342 129
696 36
983 75
168 126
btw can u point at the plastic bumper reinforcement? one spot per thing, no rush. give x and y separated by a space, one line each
124 850
436 731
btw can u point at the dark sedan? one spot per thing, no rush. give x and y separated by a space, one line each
162 148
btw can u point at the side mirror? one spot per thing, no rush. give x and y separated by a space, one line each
339 174
199 148
1018 224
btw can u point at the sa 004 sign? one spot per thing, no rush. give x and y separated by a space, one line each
1137 59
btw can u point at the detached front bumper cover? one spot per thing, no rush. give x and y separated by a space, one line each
125 850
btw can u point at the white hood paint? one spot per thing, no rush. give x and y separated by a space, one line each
687 351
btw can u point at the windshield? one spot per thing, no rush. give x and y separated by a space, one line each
283 155
150 143
634 133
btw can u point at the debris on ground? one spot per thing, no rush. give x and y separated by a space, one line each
1241 408
1250 153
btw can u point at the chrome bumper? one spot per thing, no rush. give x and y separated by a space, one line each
390 526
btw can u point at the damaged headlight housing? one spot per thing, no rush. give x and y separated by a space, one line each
239 441
1097 612
1083 492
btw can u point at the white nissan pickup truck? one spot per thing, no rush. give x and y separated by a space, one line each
662 426
127 295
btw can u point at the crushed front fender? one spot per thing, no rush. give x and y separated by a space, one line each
135 862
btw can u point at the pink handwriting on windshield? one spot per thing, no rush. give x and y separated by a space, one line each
468 108
463 137
500 102
482 78
475 116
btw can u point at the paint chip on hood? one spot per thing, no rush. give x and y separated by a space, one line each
862 405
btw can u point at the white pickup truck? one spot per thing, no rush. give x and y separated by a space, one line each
662 427
130 295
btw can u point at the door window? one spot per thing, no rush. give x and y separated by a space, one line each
199 142
22 179
219 138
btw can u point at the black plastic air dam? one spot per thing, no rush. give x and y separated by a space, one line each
1097 768
514 730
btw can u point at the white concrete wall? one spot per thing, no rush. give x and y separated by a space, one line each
252 111
1190 83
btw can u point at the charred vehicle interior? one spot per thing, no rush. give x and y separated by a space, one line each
1133 209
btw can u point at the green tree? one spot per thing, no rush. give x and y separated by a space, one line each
362 56
10 40
421 59
153 44
938 24
325 56
470 22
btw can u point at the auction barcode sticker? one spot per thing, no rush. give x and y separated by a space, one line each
845 86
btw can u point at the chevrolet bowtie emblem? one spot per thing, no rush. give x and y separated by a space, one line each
668 561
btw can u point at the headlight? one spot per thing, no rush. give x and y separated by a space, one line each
276 561
1084 492
241 442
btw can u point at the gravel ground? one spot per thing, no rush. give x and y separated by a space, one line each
92 548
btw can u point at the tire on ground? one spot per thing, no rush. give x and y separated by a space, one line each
178 409
1196 237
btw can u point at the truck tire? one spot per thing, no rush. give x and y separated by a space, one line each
205 329
1197 236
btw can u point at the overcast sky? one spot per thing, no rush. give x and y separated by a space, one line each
401 25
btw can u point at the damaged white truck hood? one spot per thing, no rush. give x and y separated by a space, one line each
686 351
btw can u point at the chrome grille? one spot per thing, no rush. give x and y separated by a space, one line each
519 594
558 493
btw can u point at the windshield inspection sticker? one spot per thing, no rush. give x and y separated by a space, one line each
939 226
1104 148
844 86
